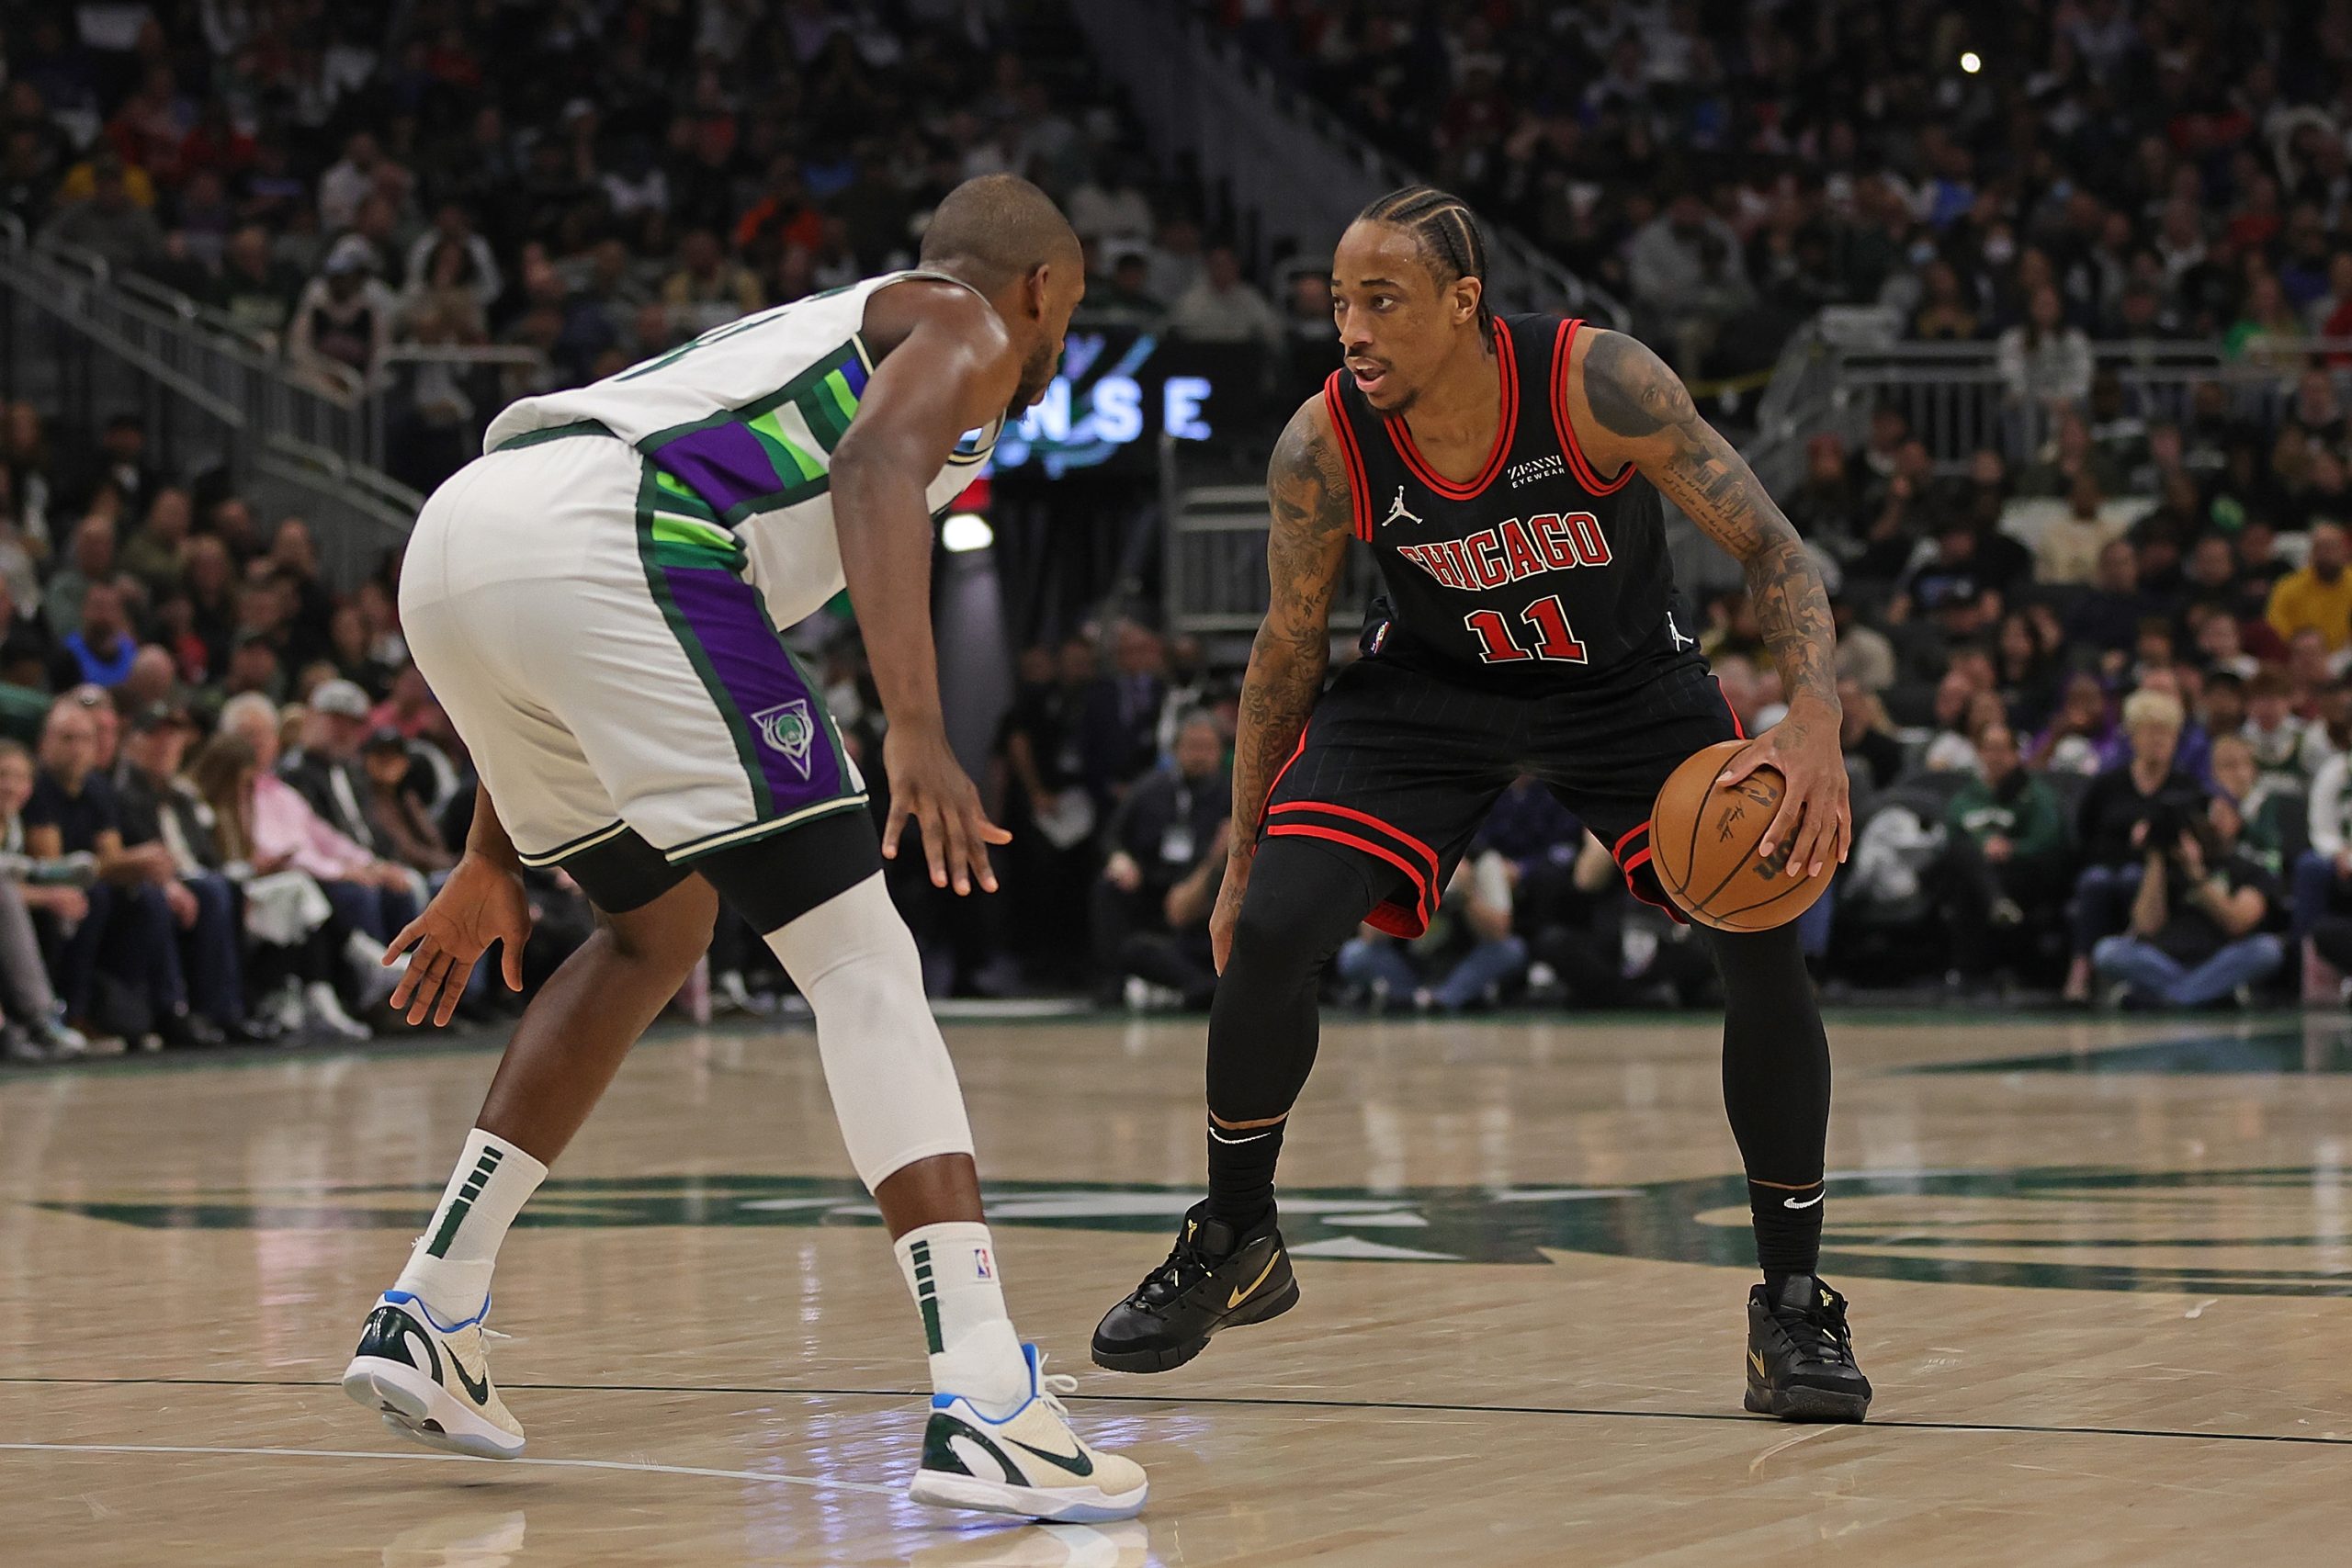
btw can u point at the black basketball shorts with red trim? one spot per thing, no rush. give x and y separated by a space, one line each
1403 766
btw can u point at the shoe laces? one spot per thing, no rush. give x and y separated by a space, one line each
1819 1328
1184 1269
1051 1386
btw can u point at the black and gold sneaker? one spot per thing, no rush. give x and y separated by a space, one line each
1801 1363
1215 1278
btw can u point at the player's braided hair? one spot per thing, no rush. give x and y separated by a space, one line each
1447 233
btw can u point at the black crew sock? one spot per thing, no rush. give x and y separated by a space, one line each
1241 1173
1788 1230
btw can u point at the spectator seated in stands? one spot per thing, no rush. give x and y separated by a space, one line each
33 1019
118 966
373 897
2198 914
2318 595
2003 855
1873 754
1049 806
2323 874
1571 905
398 810
1166 860
2076 737
324 770
2272 729
2109 618
2114 821
163 820
2273 810
299 943
99 652
1463 960
1962 712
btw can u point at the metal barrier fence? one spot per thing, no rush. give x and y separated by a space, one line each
1957 401
85 345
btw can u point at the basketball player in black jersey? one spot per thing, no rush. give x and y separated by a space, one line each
1507 469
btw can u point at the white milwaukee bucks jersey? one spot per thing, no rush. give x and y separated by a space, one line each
739 428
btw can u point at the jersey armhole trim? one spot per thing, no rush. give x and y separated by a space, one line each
1358 493
1400 434
1563 355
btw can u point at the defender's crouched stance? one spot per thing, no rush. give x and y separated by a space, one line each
595 601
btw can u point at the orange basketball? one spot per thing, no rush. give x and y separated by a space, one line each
1702 844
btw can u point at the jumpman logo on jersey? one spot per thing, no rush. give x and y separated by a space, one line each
1680 642
1397 511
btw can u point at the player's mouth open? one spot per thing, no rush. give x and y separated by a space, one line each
1368 376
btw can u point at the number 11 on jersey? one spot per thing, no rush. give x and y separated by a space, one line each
1553 640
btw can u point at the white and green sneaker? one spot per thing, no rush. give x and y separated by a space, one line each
431 1381
1030 1463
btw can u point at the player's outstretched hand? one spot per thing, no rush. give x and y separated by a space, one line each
1814 820
483 902
929 785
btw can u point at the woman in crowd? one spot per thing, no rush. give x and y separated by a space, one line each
2147 797
297 938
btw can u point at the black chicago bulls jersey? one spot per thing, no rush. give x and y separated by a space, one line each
1538 573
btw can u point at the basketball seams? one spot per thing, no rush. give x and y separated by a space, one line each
1679 879
1746 860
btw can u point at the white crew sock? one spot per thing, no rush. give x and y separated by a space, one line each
449 1266
951 1268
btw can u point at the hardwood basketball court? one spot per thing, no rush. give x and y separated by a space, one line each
2099 1273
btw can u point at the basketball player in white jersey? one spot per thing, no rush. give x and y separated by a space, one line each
594 601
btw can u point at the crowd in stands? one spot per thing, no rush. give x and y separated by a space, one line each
2156 168
2094 674
375 194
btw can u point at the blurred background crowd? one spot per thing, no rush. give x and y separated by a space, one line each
2094 635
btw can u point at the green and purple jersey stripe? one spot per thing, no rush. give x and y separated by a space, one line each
769 453
783 737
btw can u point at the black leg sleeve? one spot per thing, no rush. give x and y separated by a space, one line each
1776 1090
1306 898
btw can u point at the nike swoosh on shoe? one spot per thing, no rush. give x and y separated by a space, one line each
1078 1464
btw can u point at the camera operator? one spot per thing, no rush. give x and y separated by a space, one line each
2197 932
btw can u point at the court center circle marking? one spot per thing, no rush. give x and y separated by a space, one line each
459 1459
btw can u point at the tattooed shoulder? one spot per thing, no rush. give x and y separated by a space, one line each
1306 481
1630 389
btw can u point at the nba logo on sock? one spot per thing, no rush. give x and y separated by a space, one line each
980 1264
787 727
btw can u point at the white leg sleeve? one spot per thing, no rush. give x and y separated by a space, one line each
894 1088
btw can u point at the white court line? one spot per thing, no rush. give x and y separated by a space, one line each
459 1458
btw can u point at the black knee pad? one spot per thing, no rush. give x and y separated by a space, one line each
1305 899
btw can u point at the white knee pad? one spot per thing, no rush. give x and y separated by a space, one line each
893 1086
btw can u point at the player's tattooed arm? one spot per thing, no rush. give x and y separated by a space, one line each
1642 413
1306 488
1644 407
1306 492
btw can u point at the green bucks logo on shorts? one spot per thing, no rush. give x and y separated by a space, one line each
788 727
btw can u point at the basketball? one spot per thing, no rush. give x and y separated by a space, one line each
1702 843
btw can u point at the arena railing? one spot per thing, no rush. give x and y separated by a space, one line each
1292 171
86 343
1957 400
